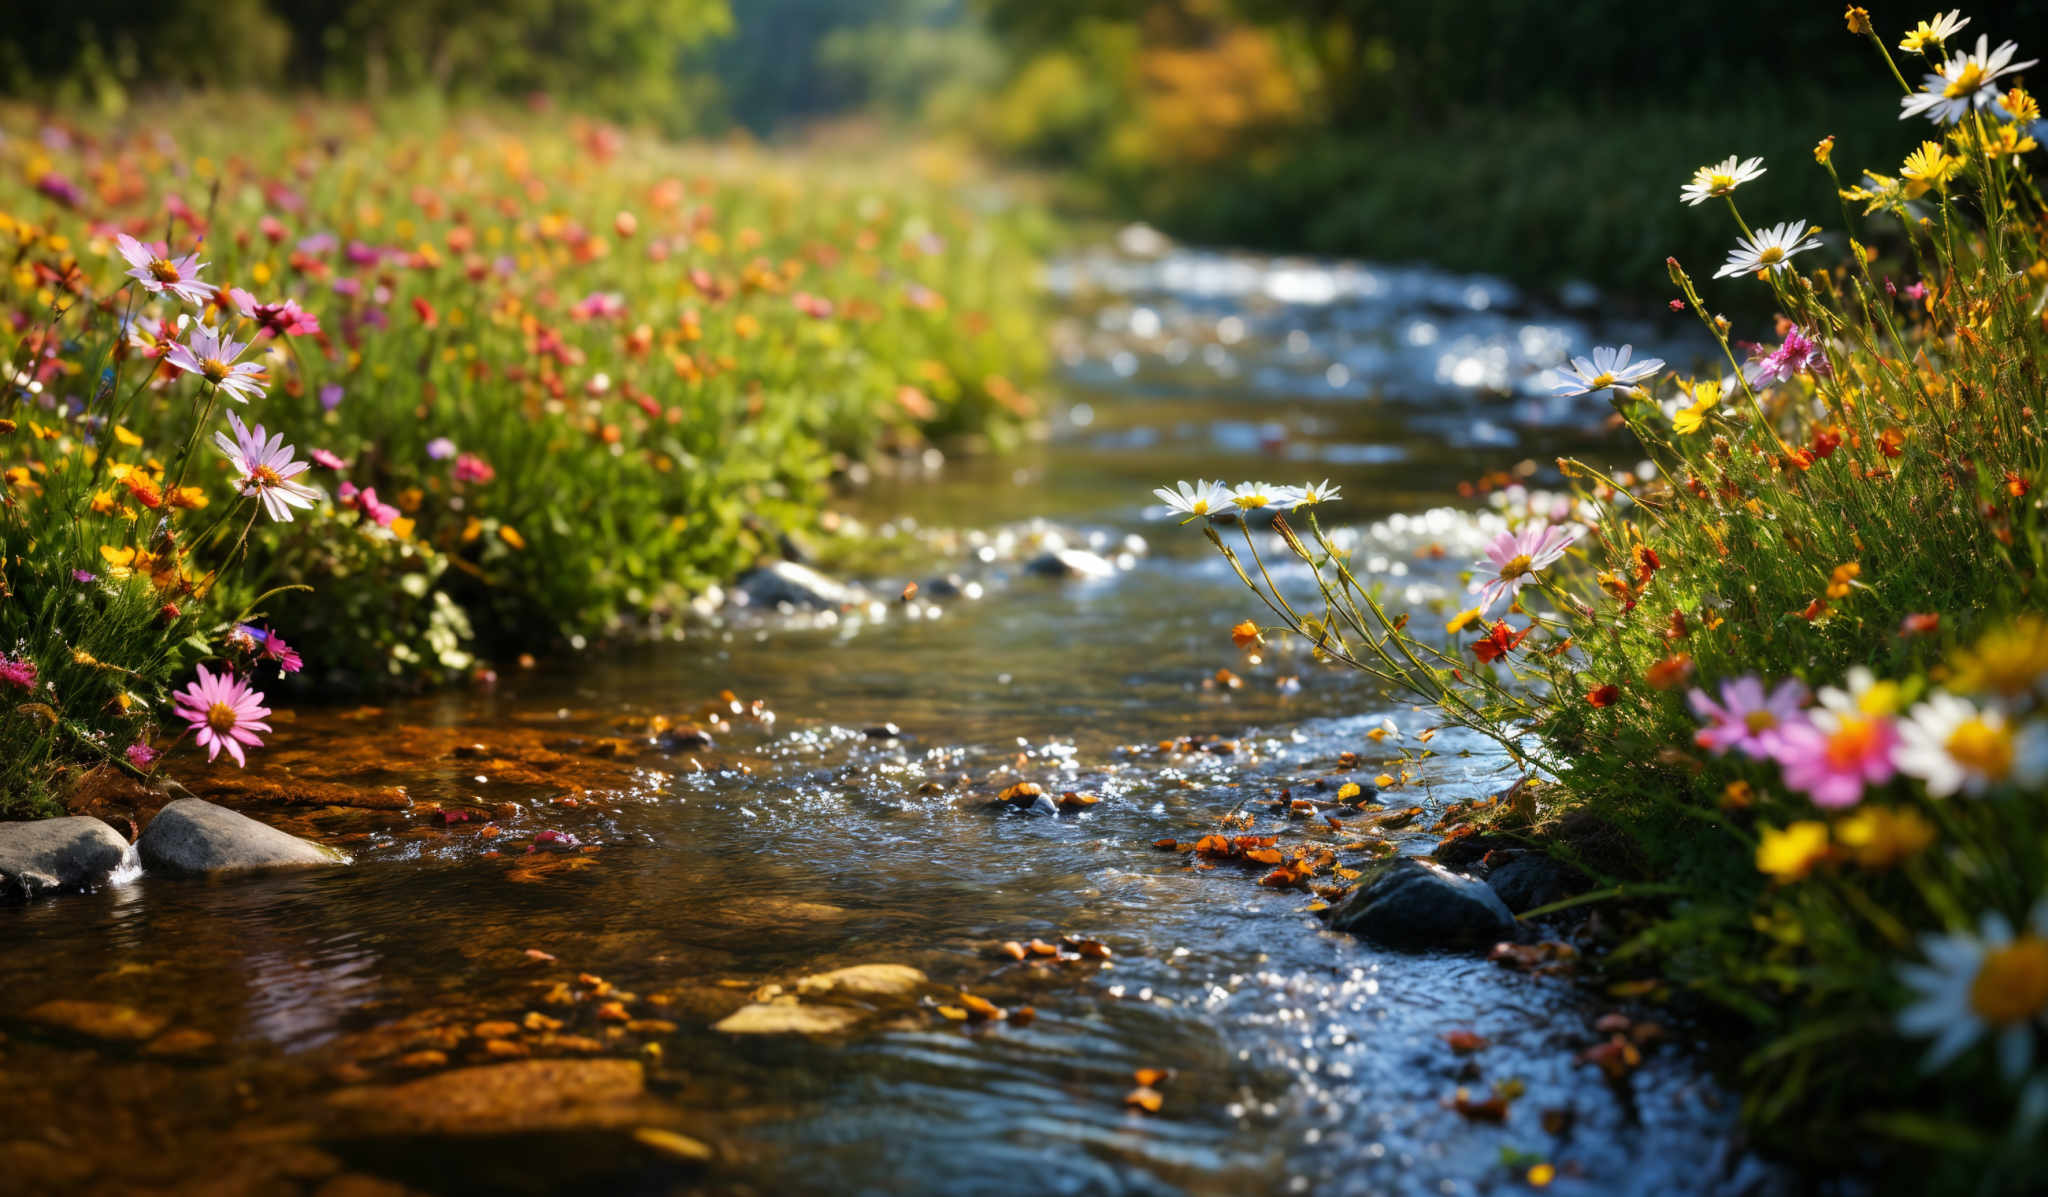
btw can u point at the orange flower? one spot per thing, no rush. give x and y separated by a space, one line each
1671 672
144 488
1891 442
1646 562
1919 625
2016 486
1246 634
1601 696
1840 581
1499 641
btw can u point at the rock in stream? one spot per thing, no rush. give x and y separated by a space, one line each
1417 905
194 837
52 855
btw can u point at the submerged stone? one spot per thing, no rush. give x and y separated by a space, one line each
797 585
1527 880
788 1018
108 1022
864 982
1071 563
1417 905
194 837
513 1097
52 855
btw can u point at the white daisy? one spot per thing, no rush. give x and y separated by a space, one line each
1770 249
1308 495
1955 746
1720 179
1607 368
1250 496
1196 501
1963 83
1934 33
1993 981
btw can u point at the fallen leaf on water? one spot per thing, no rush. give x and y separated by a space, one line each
953 1012
1145 1098
1039 947
1151 1078
1090 949
980 1008
909 591
1013 950
1465 1042
673 1145
1070 798
1349 790
1023 1016
1491 1109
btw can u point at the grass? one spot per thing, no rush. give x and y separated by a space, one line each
567 379
1858 869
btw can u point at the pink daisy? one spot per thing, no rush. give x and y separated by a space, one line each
1746 717
471 468
211 355
224 712
1831 755
1799 354
1515 558
267 469
161 274
142 756
285 319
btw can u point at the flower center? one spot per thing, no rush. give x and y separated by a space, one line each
1603 379
1517 566
1982 748
1853 743
220 717
1969 79
213 369
163 271
1760 720
2012 983
263 475
1721 183
1770 255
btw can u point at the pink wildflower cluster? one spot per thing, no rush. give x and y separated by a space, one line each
1800 354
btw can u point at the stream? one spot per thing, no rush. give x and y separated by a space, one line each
843 813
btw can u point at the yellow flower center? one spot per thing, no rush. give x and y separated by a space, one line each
2012 983
1603 379
1852 743
213 369
265 476
1759 720
1968 80
1982 748
1720 183
1517 566
163 271
220 717
1770 255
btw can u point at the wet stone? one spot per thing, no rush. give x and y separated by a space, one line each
515 1097
52 855
1416 905
107 1022
196 838
1070 563
1526 880
788 1018
796 585
864 982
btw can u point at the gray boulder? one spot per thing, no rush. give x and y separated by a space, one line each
1527 880
51 855
797 585
1417 905
1071 563
194 837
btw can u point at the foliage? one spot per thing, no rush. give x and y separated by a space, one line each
1800 660
553 382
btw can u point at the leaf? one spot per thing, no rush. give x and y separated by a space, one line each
1151 1078
980 1008
1145 1098
1464 1042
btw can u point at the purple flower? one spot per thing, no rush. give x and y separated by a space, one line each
330 395
267 469
141 755
1746 717
18 672
61 189
270 646
285 319
318 243
211 355
1799 354
440 448
161 274
322 457
222 711
83 575
1514 558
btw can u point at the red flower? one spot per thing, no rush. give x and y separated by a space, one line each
1601 696
425 311
1919 625
1499 640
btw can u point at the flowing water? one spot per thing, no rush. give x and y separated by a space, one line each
310 1015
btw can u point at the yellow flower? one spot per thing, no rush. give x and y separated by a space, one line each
1879 838
1462 620
2020 106
1843 577
1790 854
1825 150
126 437
511 536
1706 397
1858 19
2009 660
1928 166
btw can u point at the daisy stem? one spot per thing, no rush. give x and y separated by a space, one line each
1729 199
1885 52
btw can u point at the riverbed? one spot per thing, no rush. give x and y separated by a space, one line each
636 844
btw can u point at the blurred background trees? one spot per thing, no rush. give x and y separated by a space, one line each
1542 141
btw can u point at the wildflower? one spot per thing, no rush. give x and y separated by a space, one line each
1746 717
267 469
1603 696
1824 149
1993 982
211 355
1771 249
2019 107
1953 745
1312 494
1799 354
1246 635
1842 579
1963 83
1930 166
1720 179
440 448
471 468
1877 193
1669 673
163 275
2011 661
285 319
1934 33
1706 400
1831 755
141 755
1607 368
1250 496
1920 624
1858 19
1516 557
1197 501
270 645
19 672
1463 619
331 396
1880 837
1499 641
323 457
224 712
1789 854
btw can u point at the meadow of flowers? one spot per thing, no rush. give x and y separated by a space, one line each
1799 658
417 393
